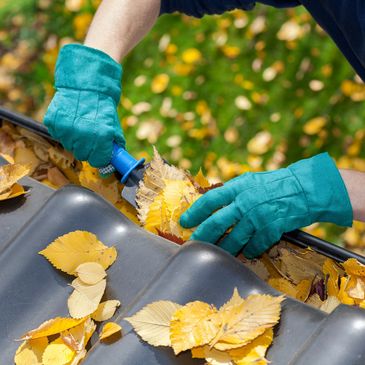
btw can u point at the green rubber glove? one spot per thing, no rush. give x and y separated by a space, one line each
83 113
260 207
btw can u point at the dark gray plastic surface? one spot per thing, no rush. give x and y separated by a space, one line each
16 212
149 268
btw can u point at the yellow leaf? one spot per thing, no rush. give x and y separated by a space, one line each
342 294
152 322
109 329
255 351
160 83
354 267
357 290
200 179
10 174
52 327
153 183
258 267
30 352
314 125
57 353
90 272
77 338
212 356
332 272
105 310
107 188
67 252
194 324
246 319
303 290
85 299
284 286
26 156
300 264
14 191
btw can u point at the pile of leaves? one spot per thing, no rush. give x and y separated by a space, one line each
9 175
239 333
311 277
164 194
51 165
63 341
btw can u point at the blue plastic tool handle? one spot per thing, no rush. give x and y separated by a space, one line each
123 162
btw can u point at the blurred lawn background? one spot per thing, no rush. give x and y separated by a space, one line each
246 91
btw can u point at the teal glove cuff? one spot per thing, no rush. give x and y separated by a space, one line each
84 68
325 192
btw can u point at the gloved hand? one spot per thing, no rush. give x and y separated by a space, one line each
262 206
83 113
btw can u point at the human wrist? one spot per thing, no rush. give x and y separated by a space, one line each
85 68
324 189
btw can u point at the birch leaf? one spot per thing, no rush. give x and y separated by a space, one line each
85 299
105 310
52 327
90 272
57 353
247 320
109 329
152 183
152 322
194 324
9 175
67 252
255 351
354 267
30 352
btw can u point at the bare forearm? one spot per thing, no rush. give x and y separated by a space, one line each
355 184
119 25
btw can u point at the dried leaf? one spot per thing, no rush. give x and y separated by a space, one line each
354 267
105 310
109 329
255 351
299 264
85 299
9 175
107 188
357 290
90 272
67 252
152 323
201 180
52 327
153 183
332 273
56 177
57 353
303 290
77 338
30 352
284 286
246 319
258 267
330 304
171 237
314 300
25 156
194 324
